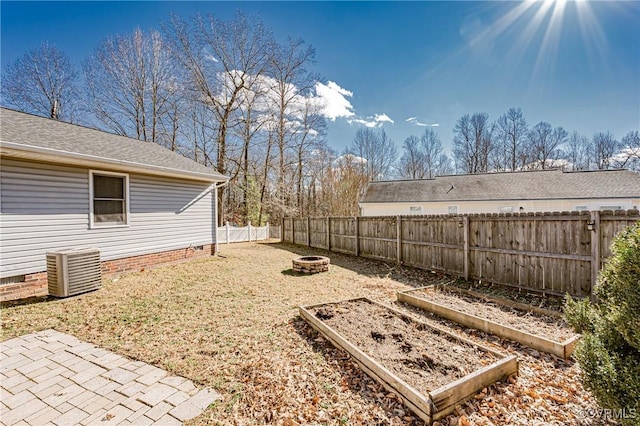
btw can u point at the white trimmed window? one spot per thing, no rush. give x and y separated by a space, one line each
452 209
109 199
505 209
415 209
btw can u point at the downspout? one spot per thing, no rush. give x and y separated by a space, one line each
215 219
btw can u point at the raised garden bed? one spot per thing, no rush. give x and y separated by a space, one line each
430 369
525 296
535 327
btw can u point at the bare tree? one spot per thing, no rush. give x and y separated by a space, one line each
291 81
545 142
252 123
310 131
378 151
630 151
512 137
343 184
603 148
577 151
472 143
42 82
445 166
411 164
131 84
222 59
266 165
436 162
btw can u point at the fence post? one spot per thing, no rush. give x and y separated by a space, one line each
249 229
282 231
328 233
227 224
357 236
595 250
399 238
308 232
293 230
465 221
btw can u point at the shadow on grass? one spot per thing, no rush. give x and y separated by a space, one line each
353 377
371 268
27 301
416 277
291 273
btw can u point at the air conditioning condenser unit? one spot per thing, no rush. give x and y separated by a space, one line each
73 271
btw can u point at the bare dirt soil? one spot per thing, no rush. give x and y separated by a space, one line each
421 356
231 322
549 327
533 298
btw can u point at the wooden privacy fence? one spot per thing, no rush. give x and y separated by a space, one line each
555 253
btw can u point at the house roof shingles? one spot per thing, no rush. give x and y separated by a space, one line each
31 132
534 185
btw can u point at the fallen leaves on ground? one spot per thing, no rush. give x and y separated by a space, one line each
231 323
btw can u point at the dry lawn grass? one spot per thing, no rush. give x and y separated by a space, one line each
231 323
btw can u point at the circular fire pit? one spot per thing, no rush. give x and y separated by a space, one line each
311 264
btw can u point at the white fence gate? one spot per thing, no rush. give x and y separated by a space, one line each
232 234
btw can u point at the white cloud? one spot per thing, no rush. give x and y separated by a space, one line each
208 55
329 100
349 160
414 120
334 100
381 118
362 121
335 87
376 120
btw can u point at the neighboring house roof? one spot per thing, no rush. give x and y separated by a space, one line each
43 139
533 185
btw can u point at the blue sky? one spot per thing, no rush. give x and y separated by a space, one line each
571 63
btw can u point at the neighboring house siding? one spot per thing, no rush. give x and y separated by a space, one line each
466 207
45 207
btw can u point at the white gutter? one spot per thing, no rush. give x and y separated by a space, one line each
31 152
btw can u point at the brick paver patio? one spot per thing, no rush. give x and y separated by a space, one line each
53 378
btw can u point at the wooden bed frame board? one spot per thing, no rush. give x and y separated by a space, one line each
560 349
436 403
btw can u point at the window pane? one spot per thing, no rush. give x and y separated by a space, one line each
109 212
108 187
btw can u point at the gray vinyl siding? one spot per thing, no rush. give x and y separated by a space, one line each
45 207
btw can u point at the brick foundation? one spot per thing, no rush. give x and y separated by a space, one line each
35 284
